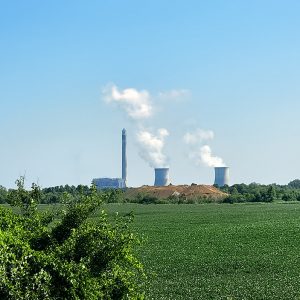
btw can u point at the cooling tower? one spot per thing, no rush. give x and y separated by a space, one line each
222 176
161 177
124 157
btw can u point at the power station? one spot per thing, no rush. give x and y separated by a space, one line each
162 177
115 183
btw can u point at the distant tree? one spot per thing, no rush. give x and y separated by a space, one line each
295 184
271 194
225 188
234 198
291 196
257 196
241 188
255 192
3 194
50 198
234 190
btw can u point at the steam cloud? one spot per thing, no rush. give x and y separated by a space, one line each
202 154
152 147
136 103
206 157
138 106
174 94
198 136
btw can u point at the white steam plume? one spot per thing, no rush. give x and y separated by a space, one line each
192 138
174 94
136 103
206 157
151 147
202 154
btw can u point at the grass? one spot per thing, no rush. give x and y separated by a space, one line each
211 251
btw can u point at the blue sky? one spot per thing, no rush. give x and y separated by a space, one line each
238 60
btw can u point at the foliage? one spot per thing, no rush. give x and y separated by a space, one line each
254 192
3 194
173 199
57 194
294 184
70 257
238 193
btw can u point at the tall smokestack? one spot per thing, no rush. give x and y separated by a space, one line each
161 177
124 157
222 176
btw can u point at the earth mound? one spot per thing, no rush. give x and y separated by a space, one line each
193 191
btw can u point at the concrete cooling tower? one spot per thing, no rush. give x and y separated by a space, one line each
222 176
161 177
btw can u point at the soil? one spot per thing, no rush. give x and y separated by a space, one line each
188 191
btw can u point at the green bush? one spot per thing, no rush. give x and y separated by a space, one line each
70 257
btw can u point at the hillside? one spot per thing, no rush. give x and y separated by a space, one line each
187 191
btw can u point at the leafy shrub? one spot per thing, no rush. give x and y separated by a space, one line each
161 201
147 199
66 258
237 198
291 196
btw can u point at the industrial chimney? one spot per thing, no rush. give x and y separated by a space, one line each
161 177
124 157
222 176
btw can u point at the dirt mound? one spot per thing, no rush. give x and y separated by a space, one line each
187 191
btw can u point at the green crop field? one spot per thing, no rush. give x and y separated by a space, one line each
219 251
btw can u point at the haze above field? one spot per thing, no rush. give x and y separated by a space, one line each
227 67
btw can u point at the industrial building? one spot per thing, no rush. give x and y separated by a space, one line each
109 183
115 183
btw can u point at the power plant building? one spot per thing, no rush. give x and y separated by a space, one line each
115 183
109 183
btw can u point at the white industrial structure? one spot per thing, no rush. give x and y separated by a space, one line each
221 176
109 183
161 177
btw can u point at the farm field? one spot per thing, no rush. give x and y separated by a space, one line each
219 251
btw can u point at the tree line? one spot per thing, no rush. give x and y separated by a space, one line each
237 193
62 193
255 192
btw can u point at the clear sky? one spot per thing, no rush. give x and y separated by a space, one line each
238 63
